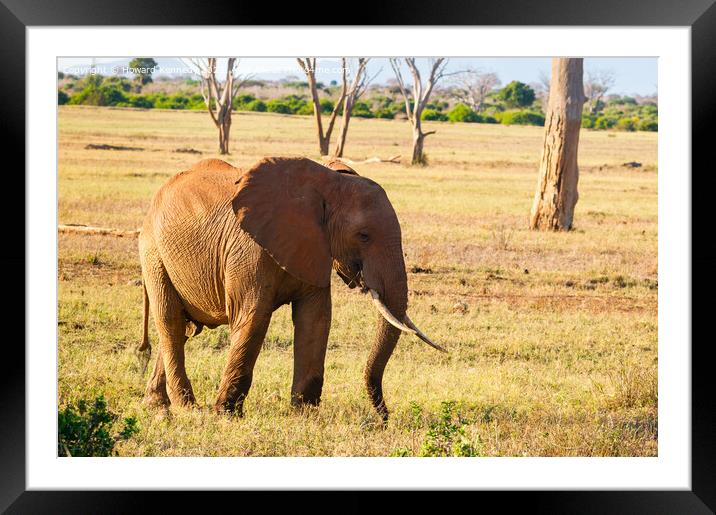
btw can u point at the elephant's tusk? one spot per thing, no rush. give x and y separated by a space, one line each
383 310
421 335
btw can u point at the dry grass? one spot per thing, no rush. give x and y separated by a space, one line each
552 336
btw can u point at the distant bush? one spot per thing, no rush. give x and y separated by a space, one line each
433 115
62 97
521 118
626 124
256 105
98 95
604 122
278 106
326 106
386 113
86 429
649 125
462 113
362 110
119 82
516 94
489 119
588 121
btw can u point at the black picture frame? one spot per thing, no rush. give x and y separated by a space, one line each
700 15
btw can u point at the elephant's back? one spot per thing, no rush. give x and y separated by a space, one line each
196 191
189 220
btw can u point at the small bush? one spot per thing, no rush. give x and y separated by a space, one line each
362 110
278 106
445 436
649 125
386 113
62 97
626 124
85 429
588 121
306 109
462 113
256 105
326 106
489 119
240 101
521 118
604 122
434 115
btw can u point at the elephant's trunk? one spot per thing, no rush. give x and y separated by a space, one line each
389 288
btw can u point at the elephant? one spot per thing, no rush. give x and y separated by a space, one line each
220 245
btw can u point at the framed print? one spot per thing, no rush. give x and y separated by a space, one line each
512 190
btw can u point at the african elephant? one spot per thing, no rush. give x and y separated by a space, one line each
215 253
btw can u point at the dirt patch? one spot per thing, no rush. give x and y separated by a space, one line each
187 151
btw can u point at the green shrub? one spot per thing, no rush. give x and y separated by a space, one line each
278 106
462 113
516 94
119 82
604 122
62 97
326 106
242 100
649 125
489 119
386 113
86 429
626 124
521 118
588 121
445 436
93 94
140 101
434 115
362 110
256 105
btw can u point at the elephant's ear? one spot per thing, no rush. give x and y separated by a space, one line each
280 205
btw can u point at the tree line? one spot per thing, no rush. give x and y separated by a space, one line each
569 103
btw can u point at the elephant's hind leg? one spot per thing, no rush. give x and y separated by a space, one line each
156 393
170 319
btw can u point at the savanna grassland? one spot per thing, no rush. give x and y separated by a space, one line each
552 336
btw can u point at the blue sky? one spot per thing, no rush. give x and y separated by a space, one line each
633 75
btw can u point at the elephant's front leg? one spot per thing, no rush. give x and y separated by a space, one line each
247 336
312 322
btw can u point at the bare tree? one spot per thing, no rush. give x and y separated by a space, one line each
542 89
471 87
358 84
556 195
417 98
308 65
219 96
596 86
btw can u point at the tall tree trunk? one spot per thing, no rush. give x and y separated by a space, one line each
556 196
341 145
418 140
224 122
418 143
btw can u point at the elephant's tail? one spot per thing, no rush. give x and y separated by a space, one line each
145 346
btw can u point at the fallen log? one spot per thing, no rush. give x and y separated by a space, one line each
98 231
394 160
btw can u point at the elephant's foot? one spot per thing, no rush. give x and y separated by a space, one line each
307 392
156 400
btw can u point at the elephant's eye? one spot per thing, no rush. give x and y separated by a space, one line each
363 237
